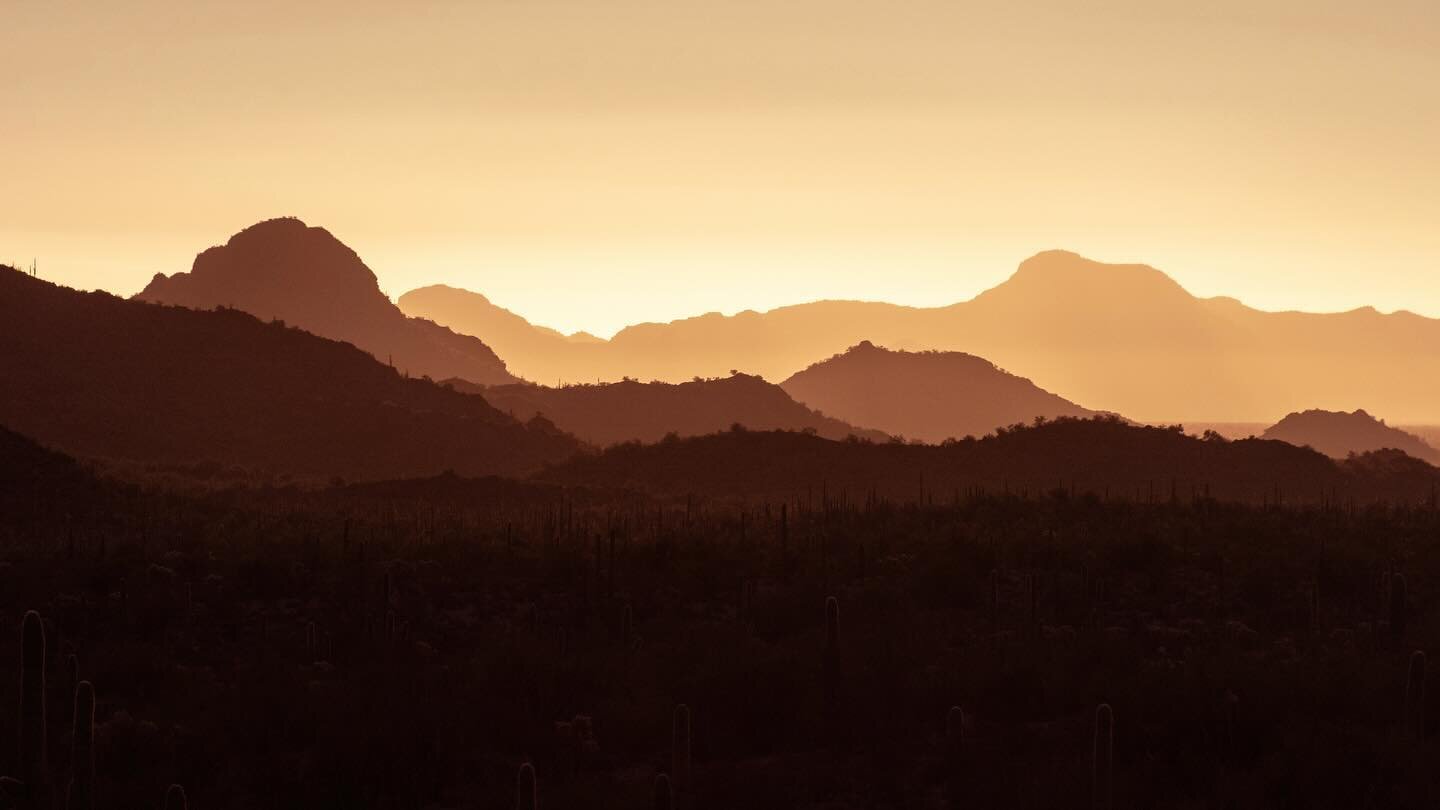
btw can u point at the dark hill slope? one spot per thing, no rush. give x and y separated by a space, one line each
1102 455
95 375
609 413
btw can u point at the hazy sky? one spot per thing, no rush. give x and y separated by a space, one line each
600 162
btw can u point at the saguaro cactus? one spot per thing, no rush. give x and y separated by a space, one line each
32 702
525 794
680 754
82 749
664 796
954 755
1102 758
1415 697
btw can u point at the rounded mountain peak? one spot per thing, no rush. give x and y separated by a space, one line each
1062 275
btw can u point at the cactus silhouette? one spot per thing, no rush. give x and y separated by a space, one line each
82 749
1102 759
175 798
954 755
526 797
664 795
680 754
1415 696
32 703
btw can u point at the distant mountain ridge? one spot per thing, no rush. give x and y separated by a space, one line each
1339 434
924 395
94 375
521 343
609 413
1124 338
283 269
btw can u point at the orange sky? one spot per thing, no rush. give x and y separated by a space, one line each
591 164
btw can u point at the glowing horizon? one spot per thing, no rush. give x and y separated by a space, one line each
590 168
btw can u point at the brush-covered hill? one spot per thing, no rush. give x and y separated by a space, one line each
283 269
930 396
609 413
1338 434
94 375
1102 455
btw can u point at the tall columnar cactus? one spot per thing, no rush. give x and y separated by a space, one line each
32 703
525 794
664 794
832 664
680 754
954 756
1415 697
1102 759
82 749
175 798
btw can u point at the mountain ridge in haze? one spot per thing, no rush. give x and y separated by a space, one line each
284 269
1338 434
928 395
99 376
609 413
1118 337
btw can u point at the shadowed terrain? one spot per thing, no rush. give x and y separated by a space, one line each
930 396
96 375
282 269
420 642
1101 455
626 411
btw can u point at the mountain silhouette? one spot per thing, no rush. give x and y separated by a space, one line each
1103 456
923 395
283 269
1338 434
94 375
608 413
1118 337
521 343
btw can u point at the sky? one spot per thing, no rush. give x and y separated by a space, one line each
594 164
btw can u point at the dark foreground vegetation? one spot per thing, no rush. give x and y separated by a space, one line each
444 642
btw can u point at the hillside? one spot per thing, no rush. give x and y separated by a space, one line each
94 375
923 395
1339 434
521 343
282 269
1124 338
608 413
1103 456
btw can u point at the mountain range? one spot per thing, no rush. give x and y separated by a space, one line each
608 413
283 269
97 376
1118 337
930 396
